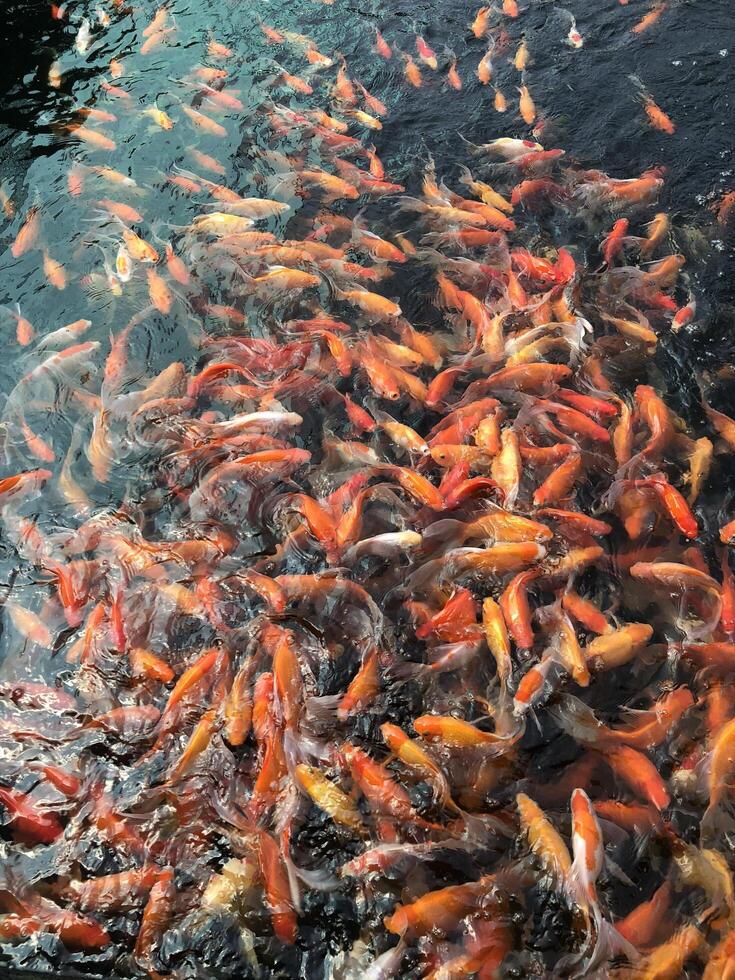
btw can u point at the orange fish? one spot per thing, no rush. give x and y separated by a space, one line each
382 47
27 237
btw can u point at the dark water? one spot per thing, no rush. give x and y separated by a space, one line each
588 105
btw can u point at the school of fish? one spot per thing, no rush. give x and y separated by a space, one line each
412 630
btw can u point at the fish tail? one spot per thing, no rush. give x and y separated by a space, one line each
718 822
609 943
446 533
641 90
407 670
438 239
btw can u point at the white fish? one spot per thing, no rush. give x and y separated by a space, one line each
64 336
267 419
83 38
574 39
55 76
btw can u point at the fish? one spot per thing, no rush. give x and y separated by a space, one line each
526 106
382 47
358 561
574 39
481 24
649 19
412 71
28 233
425 53
657 118
83 37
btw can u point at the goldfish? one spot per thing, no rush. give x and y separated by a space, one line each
526 106
27 236
426 55
155 40
160 295
201 121
218 50
92 137
365 119
29 624
6 202
649 19
329 797
24 330
439 910
454 732
656 116
724 208
55 75
574 39
159 117
485 67
382 47
83 37
54 271
157 22
544 840
138 248
485 192
28 822
522 58
668 959
481 23
122 211
453 77
157 915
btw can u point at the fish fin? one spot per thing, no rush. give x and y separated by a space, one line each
318 879
412 204
283 184
465 175
616 871
472 146
603 944
322 709
641 844
446 533
718 822
295 750
358 224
